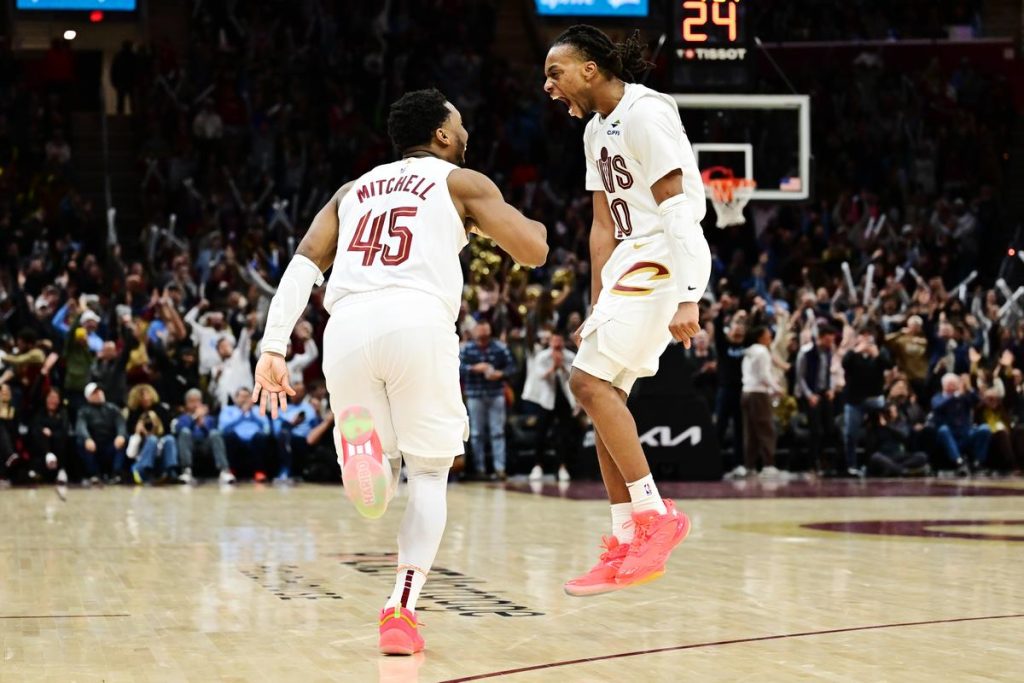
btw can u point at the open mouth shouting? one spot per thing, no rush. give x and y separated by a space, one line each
568 104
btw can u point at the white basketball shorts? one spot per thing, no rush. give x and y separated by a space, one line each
395 353
627 331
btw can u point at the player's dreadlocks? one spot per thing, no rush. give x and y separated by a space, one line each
623 60
415 116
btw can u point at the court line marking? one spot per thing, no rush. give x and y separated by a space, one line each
736 641
60 616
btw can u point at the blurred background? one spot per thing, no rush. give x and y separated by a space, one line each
161 159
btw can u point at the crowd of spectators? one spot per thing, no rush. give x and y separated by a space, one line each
130 359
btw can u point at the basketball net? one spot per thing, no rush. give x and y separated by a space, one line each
728 194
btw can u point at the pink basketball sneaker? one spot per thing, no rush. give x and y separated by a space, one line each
364 469
655 538
601 577
399 632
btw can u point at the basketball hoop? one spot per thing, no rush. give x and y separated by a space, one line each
728 194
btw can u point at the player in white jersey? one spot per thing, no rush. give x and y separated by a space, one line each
391 353
650 265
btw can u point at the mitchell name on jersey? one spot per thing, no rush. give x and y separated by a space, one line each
413 184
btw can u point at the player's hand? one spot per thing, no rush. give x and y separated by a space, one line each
685 323
90 445
271 384
119 442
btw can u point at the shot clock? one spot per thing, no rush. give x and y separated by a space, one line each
712 45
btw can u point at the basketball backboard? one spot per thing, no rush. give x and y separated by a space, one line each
763 137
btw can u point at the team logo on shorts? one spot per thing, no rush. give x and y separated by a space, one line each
653 270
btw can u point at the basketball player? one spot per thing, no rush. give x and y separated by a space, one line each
650 265
391 354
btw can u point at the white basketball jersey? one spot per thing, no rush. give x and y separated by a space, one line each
636 145
398 228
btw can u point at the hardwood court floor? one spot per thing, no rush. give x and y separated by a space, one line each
883 581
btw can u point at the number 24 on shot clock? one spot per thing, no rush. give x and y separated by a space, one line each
711 43
716 17
712 31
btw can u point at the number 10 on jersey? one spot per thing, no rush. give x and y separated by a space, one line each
620 214
367 238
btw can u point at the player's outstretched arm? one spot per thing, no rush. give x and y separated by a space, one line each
314 255
478 199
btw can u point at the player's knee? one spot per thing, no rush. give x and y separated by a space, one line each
587 388
427 468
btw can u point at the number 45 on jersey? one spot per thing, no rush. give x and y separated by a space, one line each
367 238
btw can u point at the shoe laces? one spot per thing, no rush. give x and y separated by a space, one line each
613 549
641 525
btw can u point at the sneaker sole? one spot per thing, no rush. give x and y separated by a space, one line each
366 485
396 643
601 589
587 591
681 532
364 475
356 425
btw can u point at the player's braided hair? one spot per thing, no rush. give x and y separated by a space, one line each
415 116
623 60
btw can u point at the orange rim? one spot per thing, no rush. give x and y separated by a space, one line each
725 189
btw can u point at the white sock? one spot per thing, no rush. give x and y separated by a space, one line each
419 535
408 584
622 513
645 496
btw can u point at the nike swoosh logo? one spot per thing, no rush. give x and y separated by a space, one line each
640 246
691 288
